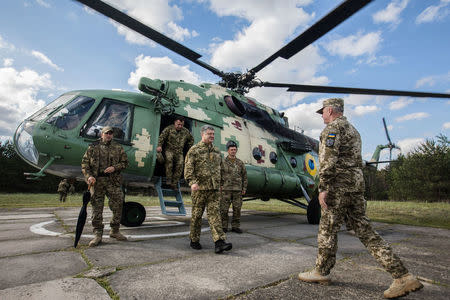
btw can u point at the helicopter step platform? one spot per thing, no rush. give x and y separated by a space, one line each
178 203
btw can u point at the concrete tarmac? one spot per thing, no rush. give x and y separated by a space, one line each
38 260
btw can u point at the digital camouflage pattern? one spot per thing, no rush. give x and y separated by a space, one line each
340 157
202 166
97 158
341 177
234 184
208 199
173 142
231 198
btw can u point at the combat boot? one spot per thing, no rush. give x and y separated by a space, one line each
97 239
115 233
402 286
237 230
196 245
314 276
221 246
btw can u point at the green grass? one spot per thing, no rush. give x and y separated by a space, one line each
408 213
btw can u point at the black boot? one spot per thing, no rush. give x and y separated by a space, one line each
237 230
196 245
225 229
222 246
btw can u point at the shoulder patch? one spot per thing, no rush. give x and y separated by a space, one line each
329 142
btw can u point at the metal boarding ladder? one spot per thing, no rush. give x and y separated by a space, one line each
178 203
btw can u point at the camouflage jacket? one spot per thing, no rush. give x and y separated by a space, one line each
101 155
174 140
63 187
234 175
340 158
202 166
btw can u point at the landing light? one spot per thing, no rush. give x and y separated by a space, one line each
24 142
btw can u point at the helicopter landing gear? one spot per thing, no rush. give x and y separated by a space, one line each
133 214
313 211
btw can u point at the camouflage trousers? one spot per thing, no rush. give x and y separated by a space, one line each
102 187
174 164
210 200
351 206
228 198
62 196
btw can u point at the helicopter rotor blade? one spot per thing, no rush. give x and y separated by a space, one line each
133 24
320 28
346 90
387 135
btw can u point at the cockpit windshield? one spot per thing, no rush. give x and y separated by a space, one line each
110 113
51 107
70 116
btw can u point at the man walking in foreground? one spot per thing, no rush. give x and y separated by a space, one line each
202 172
341 195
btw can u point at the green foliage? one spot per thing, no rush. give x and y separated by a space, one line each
423 174
12 168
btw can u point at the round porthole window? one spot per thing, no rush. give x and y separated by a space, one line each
293 162
257 153
273 157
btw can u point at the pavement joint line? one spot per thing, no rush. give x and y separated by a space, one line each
104 283
68 249
250 291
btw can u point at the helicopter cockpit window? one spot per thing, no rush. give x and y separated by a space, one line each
70 116
51 108
110 113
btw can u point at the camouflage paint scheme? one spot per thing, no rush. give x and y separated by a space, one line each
203 104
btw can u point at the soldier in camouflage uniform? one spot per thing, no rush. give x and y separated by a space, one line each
101 166
174 138
233 186
202 172
63 189
341 194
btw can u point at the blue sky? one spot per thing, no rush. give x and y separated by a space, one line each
48 47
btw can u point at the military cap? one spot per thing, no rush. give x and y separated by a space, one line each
334 102
106 129
231 144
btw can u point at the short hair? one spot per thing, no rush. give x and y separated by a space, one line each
338 109
206 127
179 118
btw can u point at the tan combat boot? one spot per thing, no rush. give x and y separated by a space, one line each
115 233
402 286
314 276
97 239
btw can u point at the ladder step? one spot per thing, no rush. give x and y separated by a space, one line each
172 203
174 213
169 192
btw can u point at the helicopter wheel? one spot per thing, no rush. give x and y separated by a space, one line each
133 214
313 211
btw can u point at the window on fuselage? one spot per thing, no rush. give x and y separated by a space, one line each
110 113
70 116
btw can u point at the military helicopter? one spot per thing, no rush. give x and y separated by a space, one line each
281 163
375 160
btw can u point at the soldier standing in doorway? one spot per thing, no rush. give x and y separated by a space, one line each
202 172
174 138
341 195
101 165
233 186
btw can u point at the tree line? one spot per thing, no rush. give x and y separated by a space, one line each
421 175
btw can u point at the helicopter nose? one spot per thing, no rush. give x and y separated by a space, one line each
23 141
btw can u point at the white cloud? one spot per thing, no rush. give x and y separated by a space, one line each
18 96
361 110
391 14
432 80
407 145
44 59
5 45
157 14
434 13
446 125
400 103
413 116
355 45
304 116
43 3
161 68
7 62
